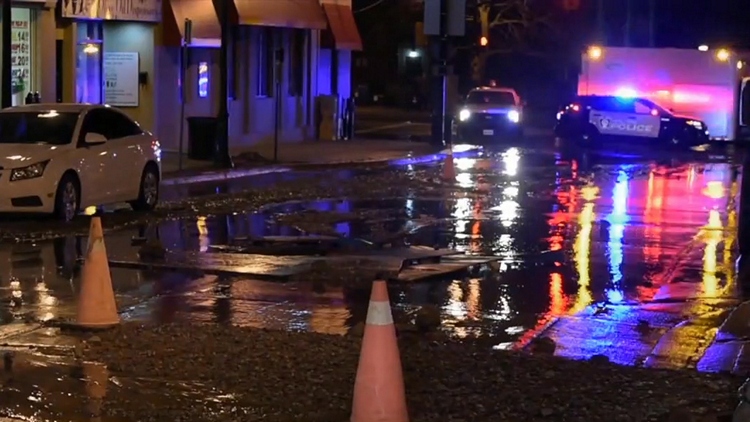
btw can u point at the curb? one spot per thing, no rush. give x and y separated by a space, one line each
214 176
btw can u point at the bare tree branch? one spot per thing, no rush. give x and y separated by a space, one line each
512 22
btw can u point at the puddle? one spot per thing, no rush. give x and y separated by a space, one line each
626 235
41 388
40 281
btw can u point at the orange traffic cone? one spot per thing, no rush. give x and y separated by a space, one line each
449 168
96 303
379 387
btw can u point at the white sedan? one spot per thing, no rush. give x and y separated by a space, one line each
62 158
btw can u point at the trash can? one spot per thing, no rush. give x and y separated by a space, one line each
202 137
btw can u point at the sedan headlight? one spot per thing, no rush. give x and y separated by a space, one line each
29 172
464 115
514 116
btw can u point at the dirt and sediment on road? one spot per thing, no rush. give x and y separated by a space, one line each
375 184
184 372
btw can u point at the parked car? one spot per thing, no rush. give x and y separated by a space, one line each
62 158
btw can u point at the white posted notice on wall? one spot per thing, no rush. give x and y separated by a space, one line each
121 71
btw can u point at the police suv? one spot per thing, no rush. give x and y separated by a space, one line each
488 112
593 117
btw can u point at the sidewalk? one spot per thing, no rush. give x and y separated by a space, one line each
259 160
730 350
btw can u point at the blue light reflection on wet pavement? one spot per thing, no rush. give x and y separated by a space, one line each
649 259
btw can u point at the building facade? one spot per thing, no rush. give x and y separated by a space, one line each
280 61
337 44
32 35
107 54
127 53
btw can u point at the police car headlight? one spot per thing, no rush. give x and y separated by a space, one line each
514 116
464 115
696 124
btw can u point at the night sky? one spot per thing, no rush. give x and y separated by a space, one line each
679 23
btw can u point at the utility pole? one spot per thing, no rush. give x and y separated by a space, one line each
222 159
439 79
442 19
443 72
7 72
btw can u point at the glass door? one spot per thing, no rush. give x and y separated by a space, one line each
89 56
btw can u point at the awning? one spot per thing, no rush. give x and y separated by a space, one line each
343 27
47 4
206 29
306 14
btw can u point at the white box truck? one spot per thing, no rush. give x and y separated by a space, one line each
710 85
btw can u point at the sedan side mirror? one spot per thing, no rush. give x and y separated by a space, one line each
92 139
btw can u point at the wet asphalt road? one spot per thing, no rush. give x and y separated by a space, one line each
648 239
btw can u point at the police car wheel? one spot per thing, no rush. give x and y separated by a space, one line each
591 133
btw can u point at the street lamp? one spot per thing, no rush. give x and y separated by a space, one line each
595 53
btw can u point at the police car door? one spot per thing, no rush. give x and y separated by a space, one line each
624 117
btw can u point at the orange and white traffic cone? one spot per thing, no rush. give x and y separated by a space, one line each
449 168
96 302
379 387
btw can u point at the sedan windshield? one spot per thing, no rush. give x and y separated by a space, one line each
491 98
38 127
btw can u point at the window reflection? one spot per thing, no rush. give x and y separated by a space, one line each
462 213
508 212
45 301
581 250
511 159
653 217
203 239
556 296
712 235
617 219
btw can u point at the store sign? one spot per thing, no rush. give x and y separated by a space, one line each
121 87
20 56
121 10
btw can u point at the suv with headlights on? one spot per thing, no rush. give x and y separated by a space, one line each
489 113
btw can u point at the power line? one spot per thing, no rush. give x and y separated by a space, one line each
366 8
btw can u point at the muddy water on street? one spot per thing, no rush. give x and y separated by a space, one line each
646 276
634 232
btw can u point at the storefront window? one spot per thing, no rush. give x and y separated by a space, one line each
22 54
89 63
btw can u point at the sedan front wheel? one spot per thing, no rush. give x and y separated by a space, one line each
148 193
